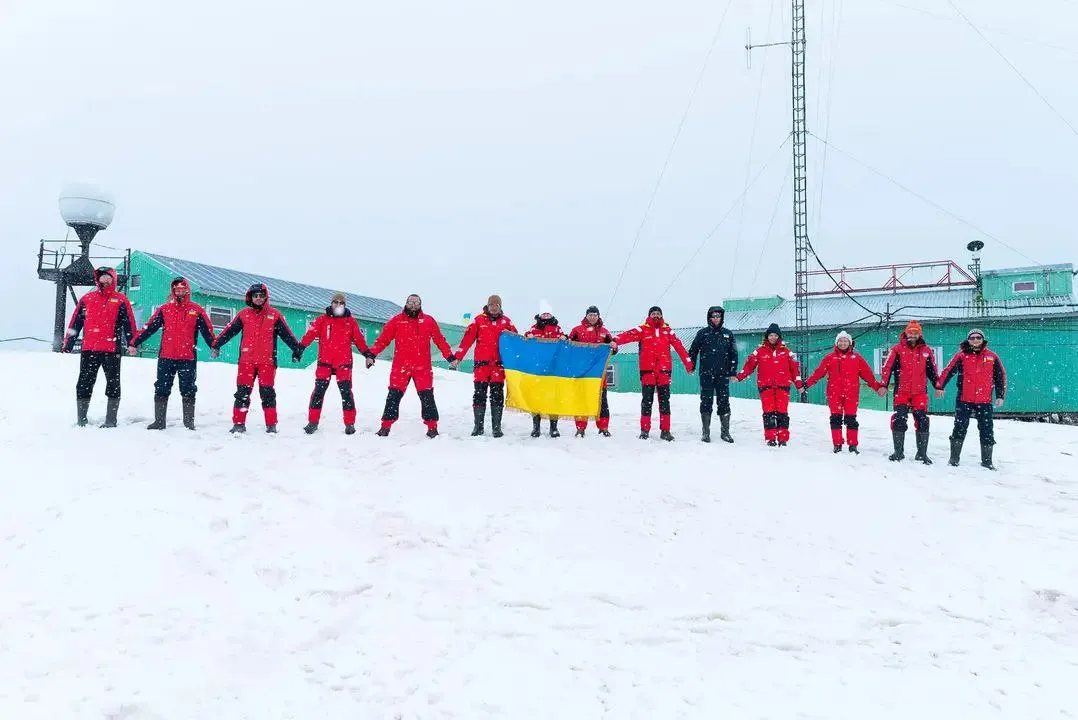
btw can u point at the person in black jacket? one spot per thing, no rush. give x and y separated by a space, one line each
714 355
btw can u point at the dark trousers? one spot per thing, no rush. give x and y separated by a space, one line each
963 411
717 389
168 370
89 363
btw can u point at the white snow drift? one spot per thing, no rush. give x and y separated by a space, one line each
192 575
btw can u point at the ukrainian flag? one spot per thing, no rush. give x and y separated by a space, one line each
553 377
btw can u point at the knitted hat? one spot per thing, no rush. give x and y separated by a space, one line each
841 335
592 309
914 326
339 297
773 328
655 308
975 331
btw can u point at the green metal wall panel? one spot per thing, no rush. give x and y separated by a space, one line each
1045 282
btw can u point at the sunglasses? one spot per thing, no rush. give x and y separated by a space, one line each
337 302
976 337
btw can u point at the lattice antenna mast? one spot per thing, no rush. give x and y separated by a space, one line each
799 131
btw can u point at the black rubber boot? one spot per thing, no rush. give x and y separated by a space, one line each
554 428
705 423
536 421
956 452
349 429
900 445
111 410
837 449
82 407
496 420
310 428
238 428
188 404
480 413
922 448
666 435
160 407
986 457
725 434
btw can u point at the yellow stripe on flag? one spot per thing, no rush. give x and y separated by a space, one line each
546 395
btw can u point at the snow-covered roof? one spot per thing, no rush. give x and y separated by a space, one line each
223 282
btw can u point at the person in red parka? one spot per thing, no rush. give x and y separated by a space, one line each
107 321
261 325
336 332
776 369
979 373
488 372
181 321
546 326
592 330
845 368
913 366
656 339
412 331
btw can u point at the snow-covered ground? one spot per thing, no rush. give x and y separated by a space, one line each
182 575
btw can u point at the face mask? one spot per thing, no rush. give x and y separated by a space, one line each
338 310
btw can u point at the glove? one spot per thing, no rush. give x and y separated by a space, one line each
804 395
370 361
297 355
214 352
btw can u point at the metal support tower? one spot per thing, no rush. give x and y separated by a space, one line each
800 136
799 132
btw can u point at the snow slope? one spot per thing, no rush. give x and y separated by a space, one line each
180 575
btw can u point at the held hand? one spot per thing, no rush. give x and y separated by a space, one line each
297 355
214 352
804 396
454 363
939 393
613 346
370 362
882 391
132 350
999 402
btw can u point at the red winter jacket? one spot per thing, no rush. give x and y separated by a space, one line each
105 318
182 321
978 373
586 333
914 367
656 340
261 326
412 337
844 370
775 365
336 334
549 330
484 332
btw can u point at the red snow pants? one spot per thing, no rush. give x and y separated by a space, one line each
776 405
844 411
246 373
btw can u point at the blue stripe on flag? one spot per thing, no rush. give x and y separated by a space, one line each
552 358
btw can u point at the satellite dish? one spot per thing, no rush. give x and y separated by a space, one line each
975 246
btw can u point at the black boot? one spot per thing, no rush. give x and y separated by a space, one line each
725 434
536 420
480 413
189 413
82 407
666 435
837 449
956 452
310 428
496 420
111 410
922 448
986 457
554 428
705 423
160 407
900 445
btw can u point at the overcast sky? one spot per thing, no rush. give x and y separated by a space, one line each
477 146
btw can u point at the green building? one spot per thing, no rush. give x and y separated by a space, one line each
221 292
1029 316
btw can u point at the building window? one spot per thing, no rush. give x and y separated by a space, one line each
219 316
610 377
136 282
1024 286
